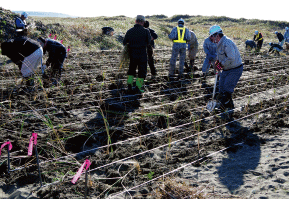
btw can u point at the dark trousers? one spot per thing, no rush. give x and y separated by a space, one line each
151 60
57 65
259 44
138 60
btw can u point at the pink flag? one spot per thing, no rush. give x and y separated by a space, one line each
68 49
79 172
61 41
33 140
50 35
3 145
55 37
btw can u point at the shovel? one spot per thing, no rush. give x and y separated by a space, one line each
212 104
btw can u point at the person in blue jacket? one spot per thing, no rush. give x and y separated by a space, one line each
20 22
180 35
210 49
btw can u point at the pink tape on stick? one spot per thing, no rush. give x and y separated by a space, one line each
79 172
55 37
33 140
3 145
61 41
50 35
68 49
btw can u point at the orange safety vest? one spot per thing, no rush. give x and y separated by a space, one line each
180 37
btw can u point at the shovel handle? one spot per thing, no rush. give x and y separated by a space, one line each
215 85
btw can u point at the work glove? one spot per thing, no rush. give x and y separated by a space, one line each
218 65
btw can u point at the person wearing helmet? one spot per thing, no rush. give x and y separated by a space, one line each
275 48
179 35
250 44
280 38
56 55
20 21
192 49
210 48
230 62
258 37
26 53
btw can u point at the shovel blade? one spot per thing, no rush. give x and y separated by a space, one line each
211 105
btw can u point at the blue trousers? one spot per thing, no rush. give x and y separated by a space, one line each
229 79
177 50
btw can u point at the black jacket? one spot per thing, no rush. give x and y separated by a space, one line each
275 46
137 37
154 36
280 37
55 50
19 48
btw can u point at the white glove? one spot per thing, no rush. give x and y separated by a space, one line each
43 67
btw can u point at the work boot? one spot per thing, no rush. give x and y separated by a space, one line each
226 102
139 84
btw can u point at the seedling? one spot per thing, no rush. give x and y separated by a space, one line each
150 175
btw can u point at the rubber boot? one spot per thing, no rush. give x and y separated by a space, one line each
130 82
226 101
139 84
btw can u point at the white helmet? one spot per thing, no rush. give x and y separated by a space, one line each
215 29
256 32
24 14
181 21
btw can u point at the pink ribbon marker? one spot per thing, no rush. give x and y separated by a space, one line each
55 37
3 145
68 49
79 172
61 41
33 140
50 35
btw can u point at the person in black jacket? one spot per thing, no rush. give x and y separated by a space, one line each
151 47
137 38
275 48
259 38
24 52
280 38
56 54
